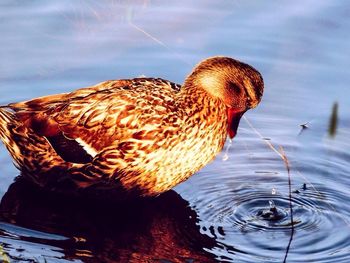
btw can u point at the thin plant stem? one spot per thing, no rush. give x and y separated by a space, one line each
286 162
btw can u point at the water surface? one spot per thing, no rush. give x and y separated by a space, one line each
223 212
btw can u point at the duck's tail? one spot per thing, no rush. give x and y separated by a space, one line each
31 153
7 135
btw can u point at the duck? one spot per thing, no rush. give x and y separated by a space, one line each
140 137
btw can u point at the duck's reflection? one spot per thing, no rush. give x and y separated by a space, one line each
159 230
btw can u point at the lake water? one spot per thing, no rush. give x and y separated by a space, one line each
237 208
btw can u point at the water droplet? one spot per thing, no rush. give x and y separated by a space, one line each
274 191
228 146
225 157
272 204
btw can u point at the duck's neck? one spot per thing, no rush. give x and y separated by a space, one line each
193 100
202 111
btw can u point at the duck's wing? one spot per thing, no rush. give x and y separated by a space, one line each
81 124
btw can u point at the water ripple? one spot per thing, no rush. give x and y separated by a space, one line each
321 230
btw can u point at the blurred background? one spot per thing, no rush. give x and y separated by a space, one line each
302 50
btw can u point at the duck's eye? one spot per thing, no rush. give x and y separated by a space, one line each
235 88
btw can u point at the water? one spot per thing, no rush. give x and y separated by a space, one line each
237 208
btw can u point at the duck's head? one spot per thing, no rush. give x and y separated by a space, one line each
238 85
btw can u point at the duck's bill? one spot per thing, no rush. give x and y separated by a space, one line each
233 118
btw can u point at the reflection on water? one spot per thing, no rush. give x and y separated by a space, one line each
222 213
155 230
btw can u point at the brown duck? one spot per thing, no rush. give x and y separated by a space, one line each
141 136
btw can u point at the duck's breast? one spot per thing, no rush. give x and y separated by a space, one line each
183 152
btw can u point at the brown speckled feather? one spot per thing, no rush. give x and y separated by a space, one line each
142 135
103 114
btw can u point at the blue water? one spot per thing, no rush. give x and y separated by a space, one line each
300 47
